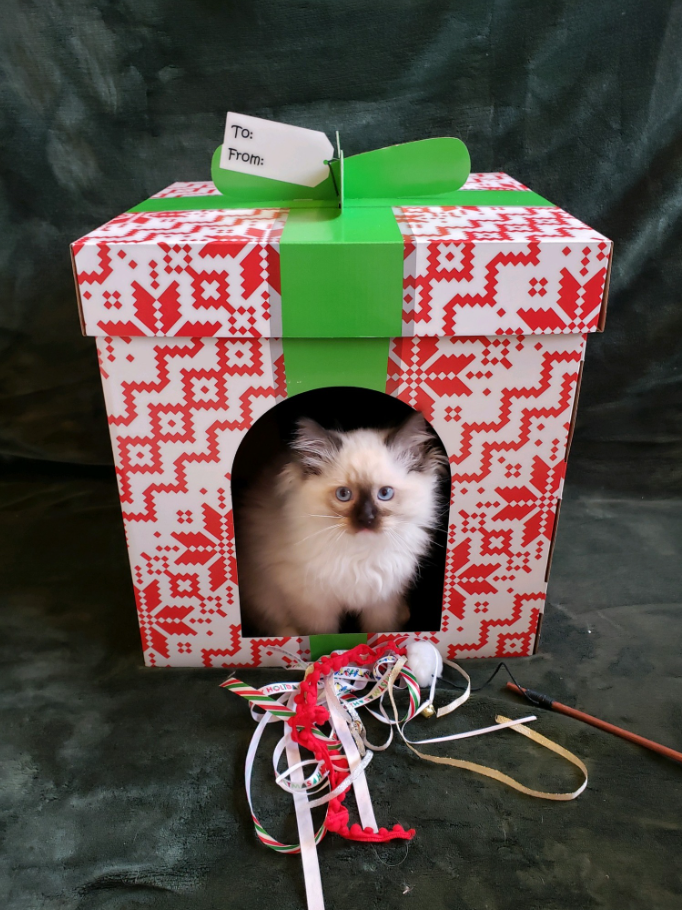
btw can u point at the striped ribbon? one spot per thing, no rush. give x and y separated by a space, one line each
349 750
257 698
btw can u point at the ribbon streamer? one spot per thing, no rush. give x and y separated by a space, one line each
329 695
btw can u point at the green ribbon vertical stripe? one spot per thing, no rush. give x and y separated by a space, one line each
325 644
342 274
342 285
342 288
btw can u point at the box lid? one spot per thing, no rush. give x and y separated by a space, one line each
466 270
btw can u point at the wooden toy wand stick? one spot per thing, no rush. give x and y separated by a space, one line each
544 701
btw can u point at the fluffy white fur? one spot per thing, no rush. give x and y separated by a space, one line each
425 661
303 560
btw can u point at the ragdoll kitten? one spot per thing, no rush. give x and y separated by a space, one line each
340 528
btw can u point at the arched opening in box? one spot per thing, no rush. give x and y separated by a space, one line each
327 525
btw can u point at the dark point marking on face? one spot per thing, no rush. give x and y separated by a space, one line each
414 443
365 514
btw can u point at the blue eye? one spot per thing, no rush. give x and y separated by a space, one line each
343 494
385 493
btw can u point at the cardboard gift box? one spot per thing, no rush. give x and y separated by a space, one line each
474 311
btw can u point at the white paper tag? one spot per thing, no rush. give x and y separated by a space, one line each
275 150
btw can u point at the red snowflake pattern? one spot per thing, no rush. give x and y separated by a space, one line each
213 547
496 306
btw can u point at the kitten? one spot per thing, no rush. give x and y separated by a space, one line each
339 528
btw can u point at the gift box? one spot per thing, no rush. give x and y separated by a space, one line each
210 309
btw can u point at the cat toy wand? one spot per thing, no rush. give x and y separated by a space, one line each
544 701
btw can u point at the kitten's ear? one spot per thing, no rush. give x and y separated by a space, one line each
314 446
415 445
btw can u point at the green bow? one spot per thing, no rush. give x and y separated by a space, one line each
415 173
427 172
341 251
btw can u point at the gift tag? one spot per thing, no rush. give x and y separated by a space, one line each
275 150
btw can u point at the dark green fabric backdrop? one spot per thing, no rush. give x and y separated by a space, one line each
104 103
122 788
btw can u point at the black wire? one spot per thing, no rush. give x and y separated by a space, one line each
497 669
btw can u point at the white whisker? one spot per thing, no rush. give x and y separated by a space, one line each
315 533
398 540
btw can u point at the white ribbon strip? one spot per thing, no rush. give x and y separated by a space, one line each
341 727
281 779
468 733
338 692
306 829
446 709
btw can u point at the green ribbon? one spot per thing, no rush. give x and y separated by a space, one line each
456 197
341 259
341 251
325 644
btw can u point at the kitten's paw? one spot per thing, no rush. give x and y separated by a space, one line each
384 617
403 616
288 632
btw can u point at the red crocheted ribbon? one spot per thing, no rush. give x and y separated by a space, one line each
309 715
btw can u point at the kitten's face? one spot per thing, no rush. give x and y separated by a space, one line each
369 481
366 488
